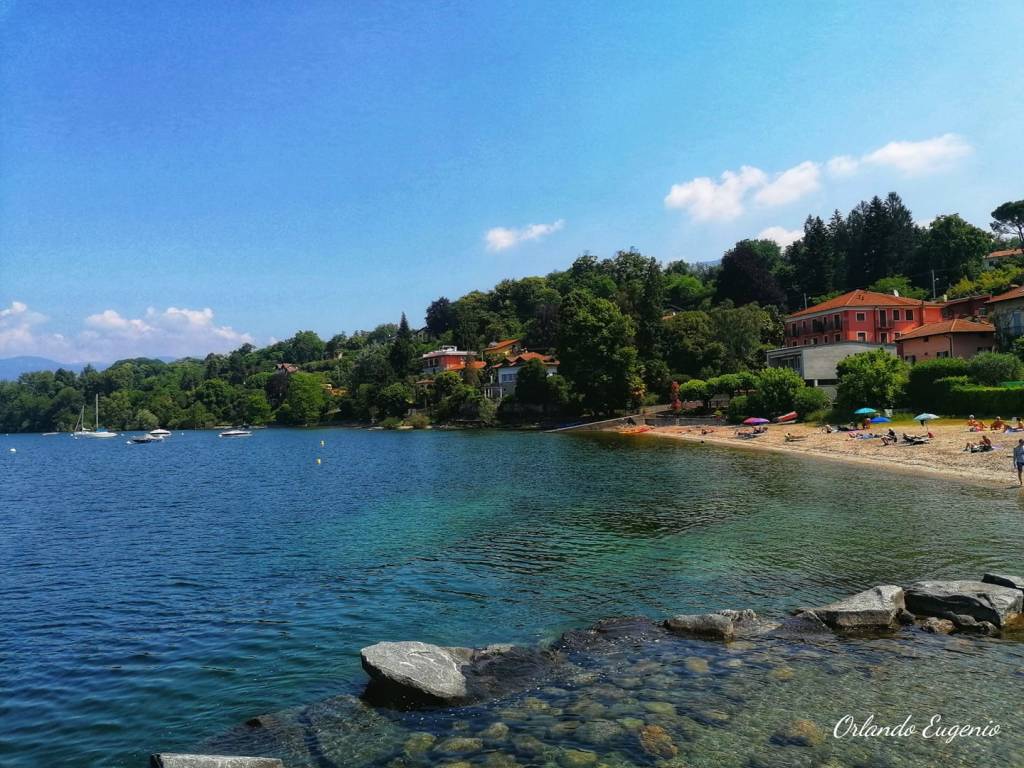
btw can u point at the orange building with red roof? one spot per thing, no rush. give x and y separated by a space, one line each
868 317
959 337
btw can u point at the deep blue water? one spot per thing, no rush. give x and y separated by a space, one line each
153 596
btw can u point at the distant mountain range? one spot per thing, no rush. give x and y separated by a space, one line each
12 367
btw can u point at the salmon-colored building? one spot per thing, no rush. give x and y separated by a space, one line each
446 358
867 317
950 338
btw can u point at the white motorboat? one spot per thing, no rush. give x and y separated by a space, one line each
235 433
81 431
143 439
160 432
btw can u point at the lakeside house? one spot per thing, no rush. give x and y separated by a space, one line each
501 349
506 372
1006 312
818 337
996 258
447 358
967 307
959 337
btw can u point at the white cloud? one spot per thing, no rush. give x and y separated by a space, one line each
780 235
706 200
791 185
912 158
919 157
502 238
842 166
108 335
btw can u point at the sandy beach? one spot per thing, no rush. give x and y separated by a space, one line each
944 455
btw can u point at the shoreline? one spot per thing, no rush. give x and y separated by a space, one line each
943 457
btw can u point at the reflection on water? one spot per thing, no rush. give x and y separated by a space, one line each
155 596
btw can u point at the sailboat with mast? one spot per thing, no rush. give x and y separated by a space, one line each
81 431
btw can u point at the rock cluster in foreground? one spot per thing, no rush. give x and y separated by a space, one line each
417 674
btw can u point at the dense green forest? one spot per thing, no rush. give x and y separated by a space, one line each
623 328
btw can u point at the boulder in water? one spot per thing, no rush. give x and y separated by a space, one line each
979 600
1001 579
711 626
875 608
167 760
417 671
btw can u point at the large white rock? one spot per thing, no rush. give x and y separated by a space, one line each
417 669
981 601
874 608
169 760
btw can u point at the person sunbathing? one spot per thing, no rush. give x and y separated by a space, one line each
914 439
984 446
997 425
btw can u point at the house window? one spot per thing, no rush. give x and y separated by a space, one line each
860 317
885 338
910 314
910 359
942 354
814 340
861 336
895 314
836 338
897 335
837 321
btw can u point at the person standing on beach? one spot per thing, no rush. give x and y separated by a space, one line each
1018 459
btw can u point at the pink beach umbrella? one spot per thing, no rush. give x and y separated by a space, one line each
755 420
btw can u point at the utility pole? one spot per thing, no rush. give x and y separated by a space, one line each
933 285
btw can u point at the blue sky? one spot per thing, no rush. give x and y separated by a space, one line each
180 177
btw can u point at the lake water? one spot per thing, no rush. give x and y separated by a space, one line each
154 597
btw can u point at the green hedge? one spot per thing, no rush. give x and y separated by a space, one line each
922 388
967 399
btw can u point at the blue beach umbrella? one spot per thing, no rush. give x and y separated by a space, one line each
865 411
925 417
880 420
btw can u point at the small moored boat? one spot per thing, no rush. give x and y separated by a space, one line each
235 433
160 433
147 439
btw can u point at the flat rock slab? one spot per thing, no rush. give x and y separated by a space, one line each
980 601
711 626
874 608
211 761
1001 579
418 670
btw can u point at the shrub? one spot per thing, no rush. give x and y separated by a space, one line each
391 422
776 390
964 399
809 400
921 392
992 368
875 379
739 408
418 421
820 416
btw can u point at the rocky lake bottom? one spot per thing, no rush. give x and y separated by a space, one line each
643 697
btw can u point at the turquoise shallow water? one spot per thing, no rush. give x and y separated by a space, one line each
153 597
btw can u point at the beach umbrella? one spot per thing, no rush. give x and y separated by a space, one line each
925 417
880 420
755 420
865 411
